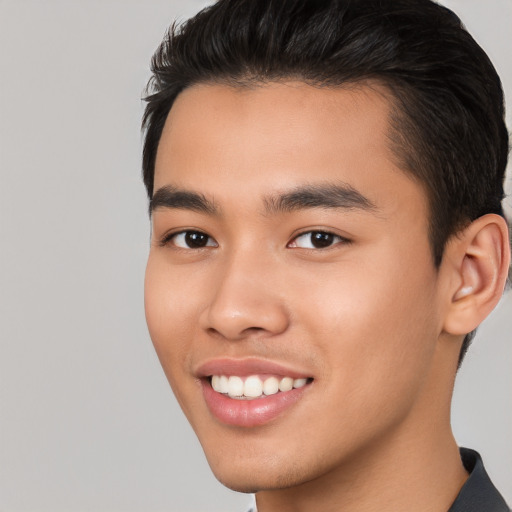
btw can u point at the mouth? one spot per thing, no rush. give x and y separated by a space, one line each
255 386
251 393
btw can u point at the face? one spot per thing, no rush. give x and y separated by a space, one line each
290 292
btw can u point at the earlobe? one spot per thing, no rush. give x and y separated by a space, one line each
479 259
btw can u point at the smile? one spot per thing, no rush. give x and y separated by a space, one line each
254 386
251 392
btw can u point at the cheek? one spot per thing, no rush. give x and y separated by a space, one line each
373 326
170 318
166 314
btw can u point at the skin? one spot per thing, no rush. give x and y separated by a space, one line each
365 318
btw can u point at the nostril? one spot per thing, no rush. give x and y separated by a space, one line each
253 329
245 333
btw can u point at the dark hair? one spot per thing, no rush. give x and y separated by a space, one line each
447 118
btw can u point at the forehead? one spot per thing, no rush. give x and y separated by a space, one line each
240 141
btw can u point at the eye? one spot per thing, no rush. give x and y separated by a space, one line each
190 240
317 240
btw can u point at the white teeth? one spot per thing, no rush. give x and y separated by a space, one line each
215 383
271 386
235 386
286 384
253 387
299 383
223 384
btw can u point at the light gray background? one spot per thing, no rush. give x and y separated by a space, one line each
87 421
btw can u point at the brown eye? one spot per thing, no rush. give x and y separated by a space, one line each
193 240
317 240
321 239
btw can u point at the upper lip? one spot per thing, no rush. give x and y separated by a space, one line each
246 367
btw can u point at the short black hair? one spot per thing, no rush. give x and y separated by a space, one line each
447 121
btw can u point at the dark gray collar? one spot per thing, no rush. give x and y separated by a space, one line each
478 494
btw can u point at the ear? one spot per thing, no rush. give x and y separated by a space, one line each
478 260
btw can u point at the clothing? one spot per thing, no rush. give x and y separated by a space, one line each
478 494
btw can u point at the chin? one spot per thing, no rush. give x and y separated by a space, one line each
239 475
254 483
245 487
247 475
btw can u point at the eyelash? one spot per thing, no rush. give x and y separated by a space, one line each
168 238
332 237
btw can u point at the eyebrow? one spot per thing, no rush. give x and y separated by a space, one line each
174 198
326 196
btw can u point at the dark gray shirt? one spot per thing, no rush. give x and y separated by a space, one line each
478 494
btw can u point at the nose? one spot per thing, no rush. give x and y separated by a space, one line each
245 300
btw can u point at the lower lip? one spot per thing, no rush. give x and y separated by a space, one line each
249 413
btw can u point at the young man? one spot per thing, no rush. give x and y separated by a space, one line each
325 183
